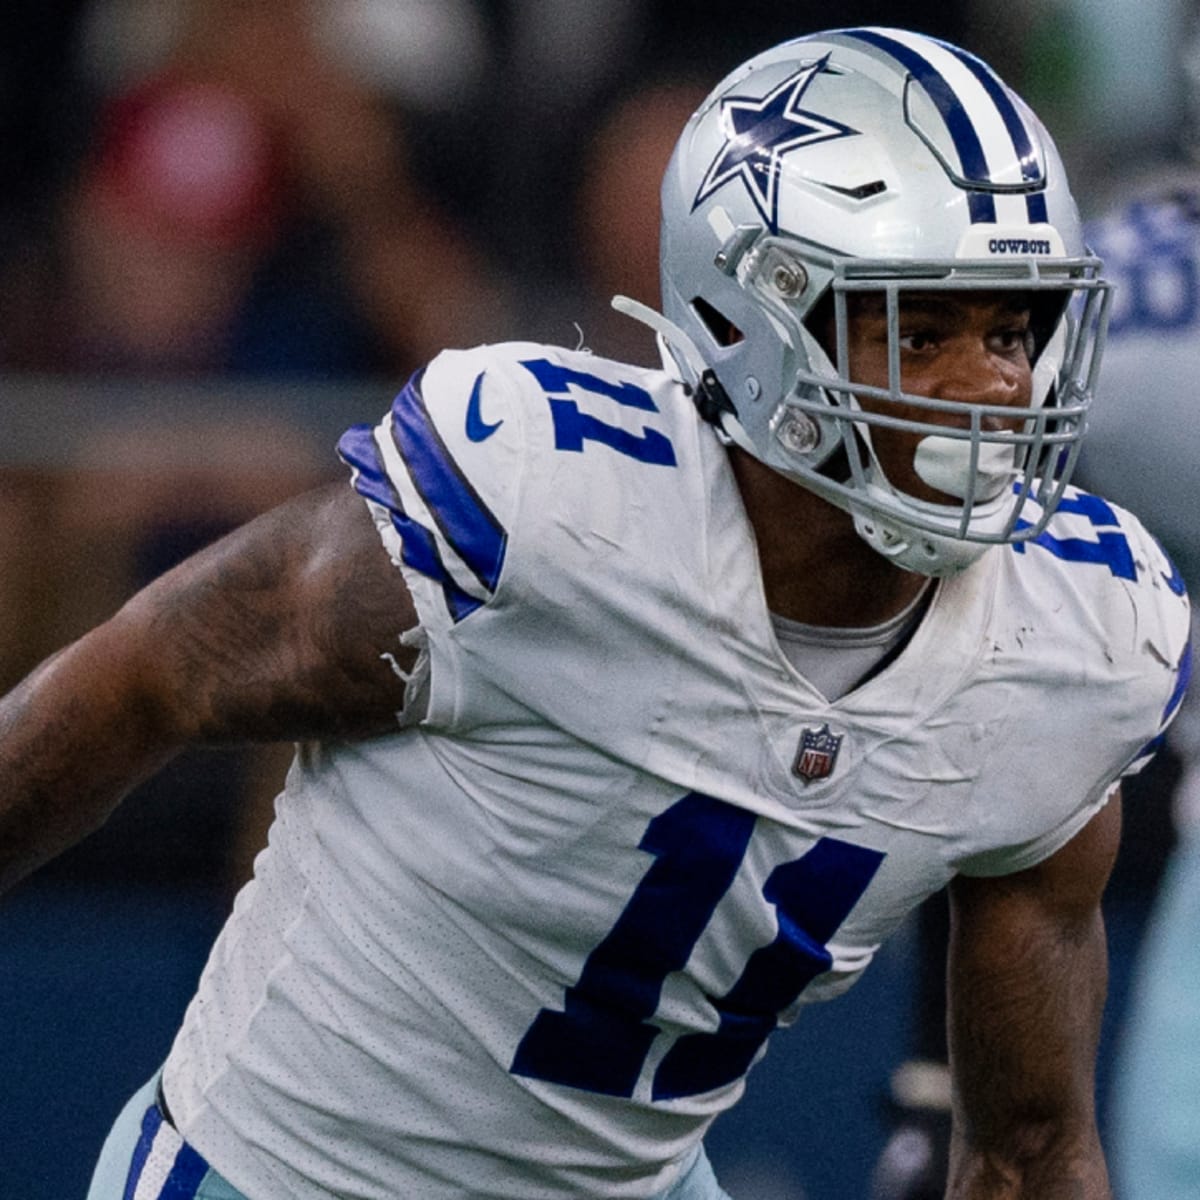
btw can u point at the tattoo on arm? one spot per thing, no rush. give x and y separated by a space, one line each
280 635
275 633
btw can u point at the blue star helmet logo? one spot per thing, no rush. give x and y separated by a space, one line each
759 132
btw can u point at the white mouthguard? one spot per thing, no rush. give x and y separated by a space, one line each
945 464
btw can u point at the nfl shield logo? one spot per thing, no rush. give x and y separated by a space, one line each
817 755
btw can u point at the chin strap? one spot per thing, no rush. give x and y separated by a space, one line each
710 397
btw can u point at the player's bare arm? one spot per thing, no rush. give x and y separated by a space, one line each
280 631
1027 981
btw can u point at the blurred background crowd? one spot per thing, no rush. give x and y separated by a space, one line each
230 228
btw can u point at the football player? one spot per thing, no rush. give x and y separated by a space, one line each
636 707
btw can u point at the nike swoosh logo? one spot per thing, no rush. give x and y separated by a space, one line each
479 430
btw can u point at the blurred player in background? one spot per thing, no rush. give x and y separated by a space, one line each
637 707
1142 450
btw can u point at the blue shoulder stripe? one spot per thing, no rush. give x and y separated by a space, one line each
465 521
419 550
356 448
418 546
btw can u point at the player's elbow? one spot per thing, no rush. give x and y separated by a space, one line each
1042 1154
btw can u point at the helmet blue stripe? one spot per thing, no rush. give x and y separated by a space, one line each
1027 154
1032 167
982 208
966 140
958 122
1036 203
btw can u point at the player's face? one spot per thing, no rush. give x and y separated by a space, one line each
970 348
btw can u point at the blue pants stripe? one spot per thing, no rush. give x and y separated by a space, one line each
144 1158
186 1175
151 1123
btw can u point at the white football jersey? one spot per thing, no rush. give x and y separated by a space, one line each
530 944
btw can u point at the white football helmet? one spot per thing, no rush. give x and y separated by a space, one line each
886 161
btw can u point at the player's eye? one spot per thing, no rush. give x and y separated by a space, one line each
1014 339
916 341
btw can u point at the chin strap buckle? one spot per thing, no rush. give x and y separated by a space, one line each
711 399
698 378
700 381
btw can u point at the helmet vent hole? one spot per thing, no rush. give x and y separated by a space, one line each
723 331
865 191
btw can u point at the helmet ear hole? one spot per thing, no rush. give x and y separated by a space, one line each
722 330
821 324
1046 314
